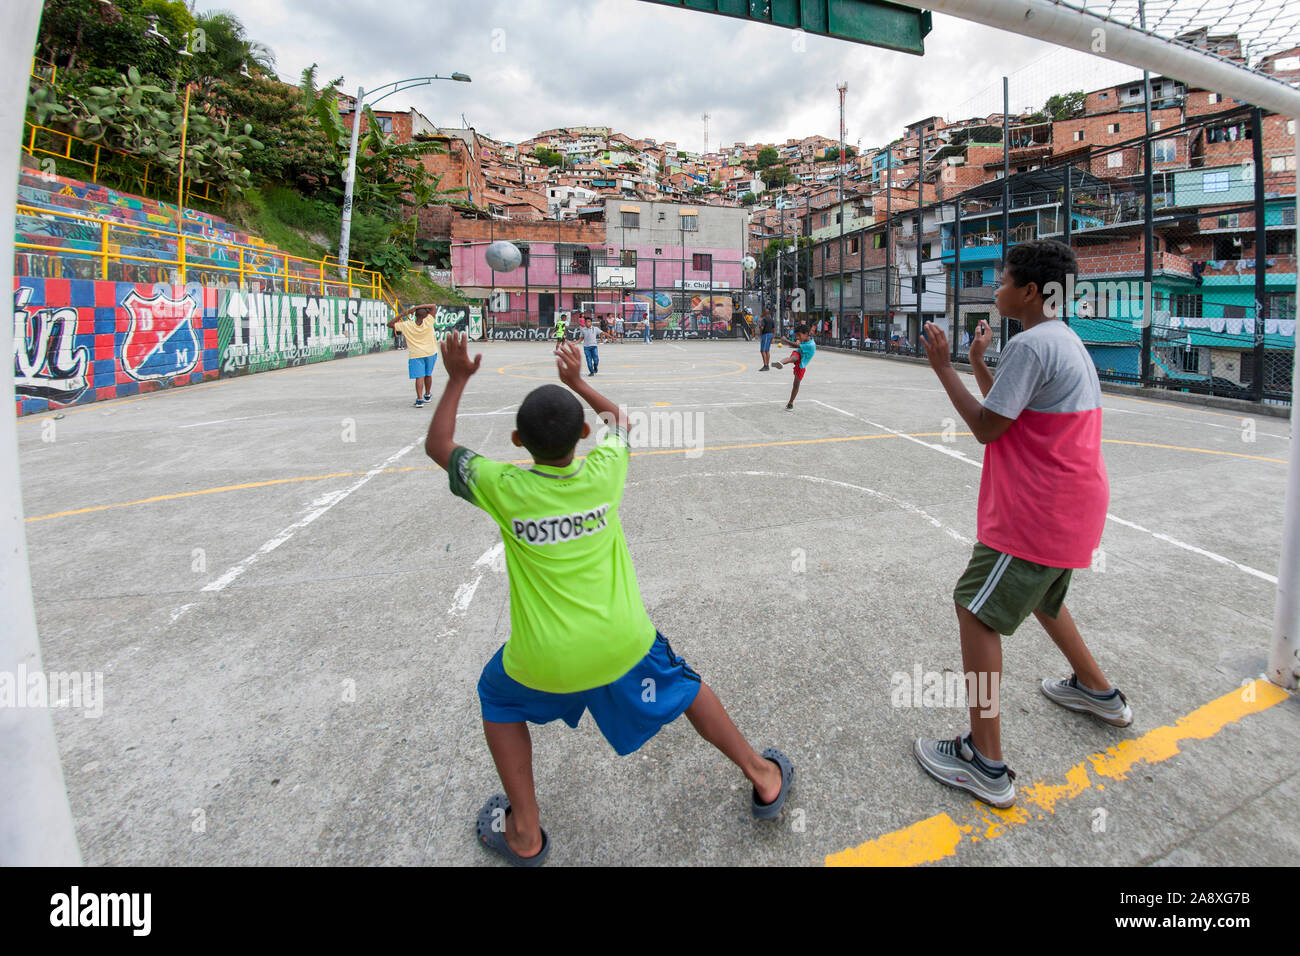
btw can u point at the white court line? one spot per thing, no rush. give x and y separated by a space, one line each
222 421
701 404
1262 575
905 505
322 505
494 558
950 452
1195 421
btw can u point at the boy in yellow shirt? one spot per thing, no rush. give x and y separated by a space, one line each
422 347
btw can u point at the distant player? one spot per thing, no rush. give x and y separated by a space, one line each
1042 506
768 329
590 344
561 327
580 638
422 348
804 350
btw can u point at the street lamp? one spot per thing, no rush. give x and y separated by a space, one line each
398 86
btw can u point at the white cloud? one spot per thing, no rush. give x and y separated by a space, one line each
650 70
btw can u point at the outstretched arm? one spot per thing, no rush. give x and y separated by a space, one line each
440 442
985 425
979 343
569 361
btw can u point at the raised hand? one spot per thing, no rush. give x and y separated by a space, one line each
569 362
936 346
455 356
980 341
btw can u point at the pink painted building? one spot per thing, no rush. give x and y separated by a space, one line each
676 265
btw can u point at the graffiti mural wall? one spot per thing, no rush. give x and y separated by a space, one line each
81 341
78 341
261 330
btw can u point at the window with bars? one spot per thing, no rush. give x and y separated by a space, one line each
701 261
575 260
972 278
690 223
1280 244
627 257
1185 305
1164 151
1281 305
631 220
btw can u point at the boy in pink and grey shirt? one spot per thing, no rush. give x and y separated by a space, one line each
1042 506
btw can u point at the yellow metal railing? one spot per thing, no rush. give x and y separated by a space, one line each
58 144
232 261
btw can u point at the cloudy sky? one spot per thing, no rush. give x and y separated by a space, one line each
651 70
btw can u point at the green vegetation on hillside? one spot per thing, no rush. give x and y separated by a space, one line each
114 75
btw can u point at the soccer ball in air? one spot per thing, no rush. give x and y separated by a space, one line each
504 256
748 263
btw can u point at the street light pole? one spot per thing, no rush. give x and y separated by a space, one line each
350 174
345 231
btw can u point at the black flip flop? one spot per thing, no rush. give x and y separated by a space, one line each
495 839
770 811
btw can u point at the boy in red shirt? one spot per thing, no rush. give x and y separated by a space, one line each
1042 506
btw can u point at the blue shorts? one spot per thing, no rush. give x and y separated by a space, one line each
628 712
765 343
420 367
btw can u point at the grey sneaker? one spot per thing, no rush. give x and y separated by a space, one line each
954 762
1111 706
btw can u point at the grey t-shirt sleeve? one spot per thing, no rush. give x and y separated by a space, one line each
1020 375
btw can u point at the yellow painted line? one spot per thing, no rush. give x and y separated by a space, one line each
938 837
213 491
351 474
1203 451
662 403
635 454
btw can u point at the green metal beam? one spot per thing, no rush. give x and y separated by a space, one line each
873 22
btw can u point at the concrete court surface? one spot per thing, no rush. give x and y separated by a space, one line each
290 611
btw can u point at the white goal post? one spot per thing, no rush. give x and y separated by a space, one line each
35 820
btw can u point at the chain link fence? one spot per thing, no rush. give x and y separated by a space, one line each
1185 239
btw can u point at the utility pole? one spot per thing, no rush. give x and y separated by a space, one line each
839 316
889 217
1006 190
1148 232
920 227
780 250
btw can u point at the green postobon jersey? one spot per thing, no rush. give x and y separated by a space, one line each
561 326
576 617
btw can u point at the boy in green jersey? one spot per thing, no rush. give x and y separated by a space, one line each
580 637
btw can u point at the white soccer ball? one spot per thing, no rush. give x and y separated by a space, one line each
504 256
749 263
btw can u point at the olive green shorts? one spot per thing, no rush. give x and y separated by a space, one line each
1002 590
